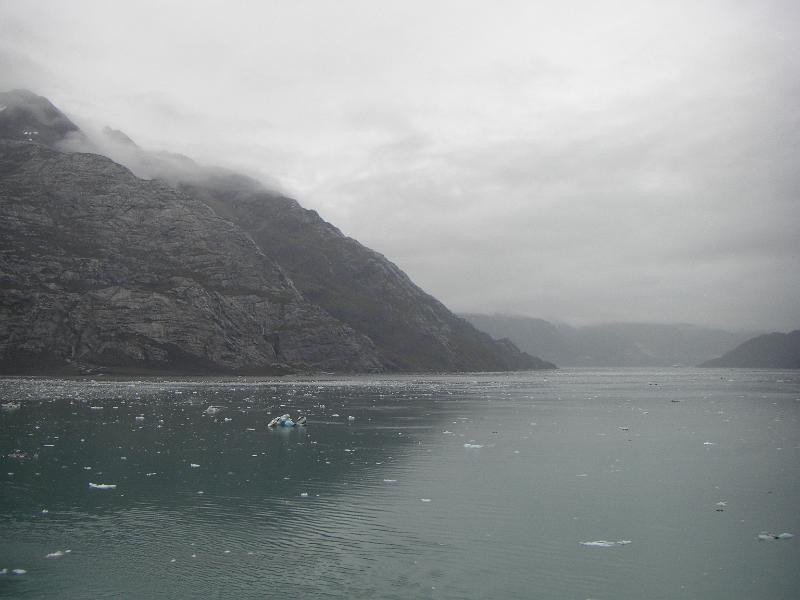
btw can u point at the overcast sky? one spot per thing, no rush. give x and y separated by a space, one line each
586 161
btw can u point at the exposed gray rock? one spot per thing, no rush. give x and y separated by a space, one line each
412 330
194 268
100 268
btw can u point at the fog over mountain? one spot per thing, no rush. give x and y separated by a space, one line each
579 161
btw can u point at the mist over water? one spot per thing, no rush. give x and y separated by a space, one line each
479 486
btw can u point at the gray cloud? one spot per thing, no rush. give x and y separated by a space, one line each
586 161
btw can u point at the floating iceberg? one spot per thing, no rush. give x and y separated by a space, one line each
286 421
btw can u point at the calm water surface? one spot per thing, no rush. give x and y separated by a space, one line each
475 486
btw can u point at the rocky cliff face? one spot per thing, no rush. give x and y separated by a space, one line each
100 268
196 270
412 331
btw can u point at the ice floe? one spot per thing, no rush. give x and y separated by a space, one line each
775 536
605 543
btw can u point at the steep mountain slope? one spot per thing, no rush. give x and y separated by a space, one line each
24 116
411 330
199 269
611 345
100 268
770 351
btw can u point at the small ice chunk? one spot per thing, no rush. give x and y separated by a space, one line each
390 481
194 466
103 486
469 445
351 418
624 542
304 494
139 418
213 410
774 536
425 499
598 544
709 443
56 554
18 571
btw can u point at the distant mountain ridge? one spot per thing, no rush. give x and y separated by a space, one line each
769 351
610 345
199 269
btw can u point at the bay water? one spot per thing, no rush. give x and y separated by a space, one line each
574 484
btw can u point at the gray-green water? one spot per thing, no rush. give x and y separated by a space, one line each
394 505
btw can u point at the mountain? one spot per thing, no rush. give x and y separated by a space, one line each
610 345
769 351
175 267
